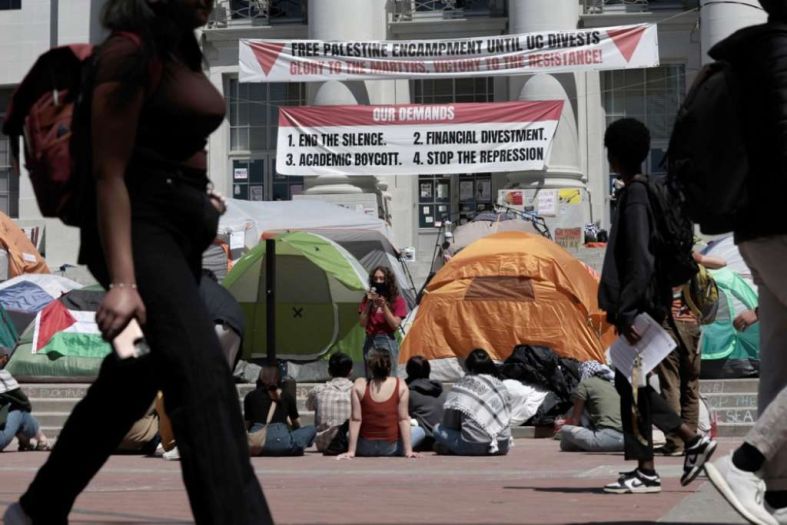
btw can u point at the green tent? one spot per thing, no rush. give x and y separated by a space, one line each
726 352
319 285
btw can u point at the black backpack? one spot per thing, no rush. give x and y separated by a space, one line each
707 158
673 232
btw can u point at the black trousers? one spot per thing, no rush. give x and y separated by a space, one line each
172 223
653 410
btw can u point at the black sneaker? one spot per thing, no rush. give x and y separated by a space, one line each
696 456
635 482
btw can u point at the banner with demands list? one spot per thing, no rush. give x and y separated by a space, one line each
416 139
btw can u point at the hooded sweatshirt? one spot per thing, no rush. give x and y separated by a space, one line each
426 403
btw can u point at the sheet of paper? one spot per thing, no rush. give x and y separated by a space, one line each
237 240
656 344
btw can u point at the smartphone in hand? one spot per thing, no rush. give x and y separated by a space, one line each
130 343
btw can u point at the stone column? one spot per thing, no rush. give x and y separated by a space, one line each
563 167
718 20
344 20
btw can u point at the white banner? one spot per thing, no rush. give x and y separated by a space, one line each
621 47
416 139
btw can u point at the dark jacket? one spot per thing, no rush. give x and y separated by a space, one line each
760 54
628 278
426 403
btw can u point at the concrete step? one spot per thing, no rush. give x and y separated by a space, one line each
739 416
734 401
729 386
741 400
733 430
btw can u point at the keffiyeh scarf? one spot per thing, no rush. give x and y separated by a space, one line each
484 400
594 368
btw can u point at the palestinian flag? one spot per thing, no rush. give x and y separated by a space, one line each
67 327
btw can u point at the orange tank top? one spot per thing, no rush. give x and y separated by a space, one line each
380 419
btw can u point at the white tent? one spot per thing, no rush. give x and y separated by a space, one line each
256 217
242 226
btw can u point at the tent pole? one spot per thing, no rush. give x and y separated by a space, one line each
270 299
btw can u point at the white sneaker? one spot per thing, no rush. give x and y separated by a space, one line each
172 455
634 482
159 452
745 491
15 515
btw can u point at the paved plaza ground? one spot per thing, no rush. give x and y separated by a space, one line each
535 483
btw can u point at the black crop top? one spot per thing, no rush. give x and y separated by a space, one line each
182 107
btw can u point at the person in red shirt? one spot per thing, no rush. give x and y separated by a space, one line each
381 313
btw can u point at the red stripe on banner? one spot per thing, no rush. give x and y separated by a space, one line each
415 114
627 40
266 53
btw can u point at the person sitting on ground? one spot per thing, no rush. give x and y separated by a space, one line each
477 419
332 401
595 393
380 422
143 437
282 439
426 397
16 421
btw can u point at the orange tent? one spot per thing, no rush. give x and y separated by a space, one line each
22 255
507 289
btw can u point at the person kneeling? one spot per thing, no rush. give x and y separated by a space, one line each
477 419
379 421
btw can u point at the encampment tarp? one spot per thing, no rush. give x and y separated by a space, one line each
373 249
503 290
22 255
319 285
727 352
25 295
63 344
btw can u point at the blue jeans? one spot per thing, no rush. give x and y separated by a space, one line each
382 341
374 447
449 441
581 439
281 441
18 422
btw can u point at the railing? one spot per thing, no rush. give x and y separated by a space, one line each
407 10
257 12
596 7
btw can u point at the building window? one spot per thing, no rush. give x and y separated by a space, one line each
448 90
270 11
441 197
475 195
10 4
652 96
254 120
9 178
434 200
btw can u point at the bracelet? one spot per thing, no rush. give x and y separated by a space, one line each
133 286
